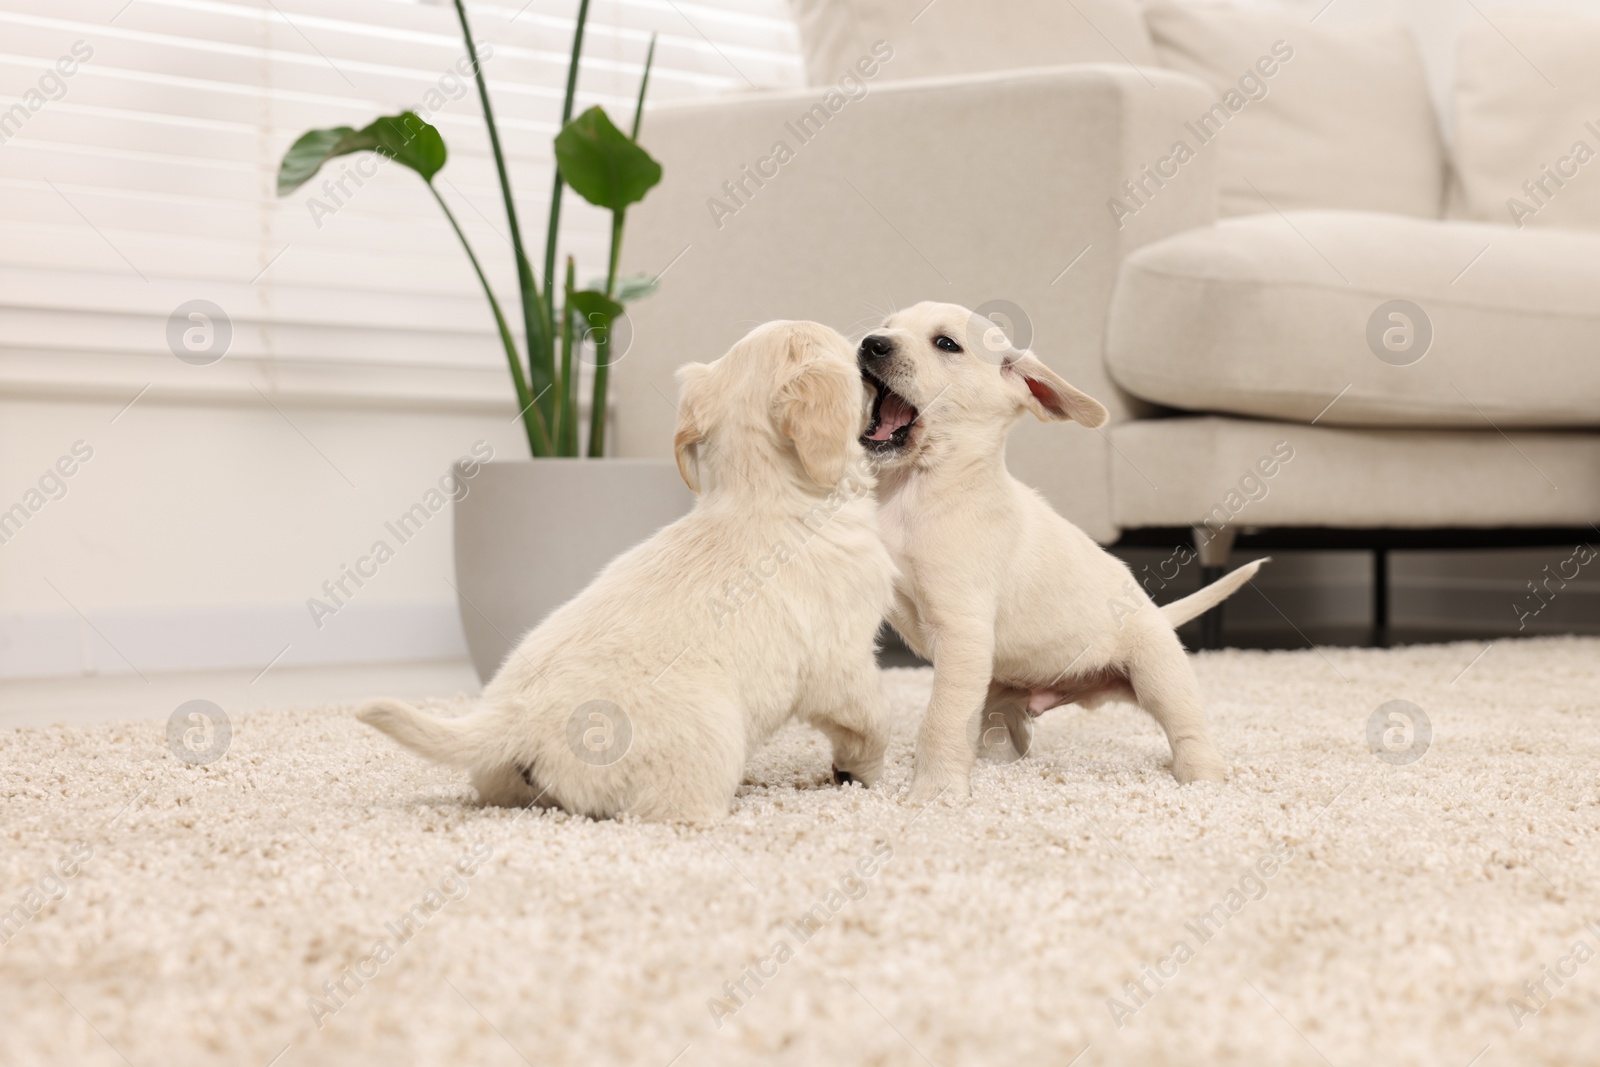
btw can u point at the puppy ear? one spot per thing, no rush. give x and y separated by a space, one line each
1050 396
819 409
693 383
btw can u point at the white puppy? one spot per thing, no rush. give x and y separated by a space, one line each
1019 610
648 691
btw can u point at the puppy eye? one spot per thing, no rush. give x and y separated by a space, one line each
945 344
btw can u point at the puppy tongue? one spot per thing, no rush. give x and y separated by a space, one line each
894 414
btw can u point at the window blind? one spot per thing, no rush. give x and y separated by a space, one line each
139 144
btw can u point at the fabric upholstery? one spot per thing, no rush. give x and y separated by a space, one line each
1527 111
1309 116
1176 472
1275 317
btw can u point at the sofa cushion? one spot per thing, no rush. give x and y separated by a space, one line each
1245 472
1294 317
1309 116
1527 115
966 36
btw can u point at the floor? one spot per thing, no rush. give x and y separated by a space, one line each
104 698
1401 869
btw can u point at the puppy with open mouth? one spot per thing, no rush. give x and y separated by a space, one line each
1018 609
647 692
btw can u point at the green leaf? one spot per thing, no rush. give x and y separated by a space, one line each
630 287
306 156
405 138
594 311
602 164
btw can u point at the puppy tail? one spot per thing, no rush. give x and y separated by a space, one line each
1197 604
452 742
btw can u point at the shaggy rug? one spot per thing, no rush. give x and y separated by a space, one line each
1402 869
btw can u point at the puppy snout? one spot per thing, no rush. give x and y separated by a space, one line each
874 346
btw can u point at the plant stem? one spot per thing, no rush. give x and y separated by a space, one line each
616 252
567 437
536 316
557 184
597 409
532 418
602 351
638 108
602 348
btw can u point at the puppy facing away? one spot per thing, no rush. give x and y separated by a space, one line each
647 692
1018 610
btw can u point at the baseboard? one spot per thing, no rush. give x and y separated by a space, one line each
135 642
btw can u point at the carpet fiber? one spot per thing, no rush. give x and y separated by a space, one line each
1329 905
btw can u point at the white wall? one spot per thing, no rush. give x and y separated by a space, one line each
197 532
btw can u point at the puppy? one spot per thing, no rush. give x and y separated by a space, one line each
647 692
1019 610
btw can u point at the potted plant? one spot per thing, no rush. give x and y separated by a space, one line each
513 563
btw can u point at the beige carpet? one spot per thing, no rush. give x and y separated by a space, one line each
1371 911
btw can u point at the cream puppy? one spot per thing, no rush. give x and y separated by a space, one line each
647 692
1018 609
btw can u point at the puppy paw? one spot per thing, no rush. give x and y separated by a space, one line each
927 788
851 767
1198 765
1000 736
1020 726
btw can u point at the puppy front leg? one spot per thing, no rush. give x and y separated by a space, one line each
860 733
856 722
962 665
903 617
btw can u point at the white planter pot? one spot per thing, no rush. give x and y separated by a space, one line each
532 533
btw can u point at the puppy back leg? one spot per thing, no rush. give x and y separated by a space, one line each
690 776
1005 730
1163 684
700 800
508 786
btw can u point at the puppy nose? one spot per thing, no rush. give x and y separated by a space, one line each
876 347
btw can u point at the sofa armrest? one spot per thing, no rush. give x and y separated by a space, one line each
967 190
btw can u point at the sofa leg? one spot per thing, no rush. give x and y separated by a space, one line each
1380 597
1213 549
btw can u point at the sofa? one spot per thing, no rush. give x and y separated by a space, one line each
1332 293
